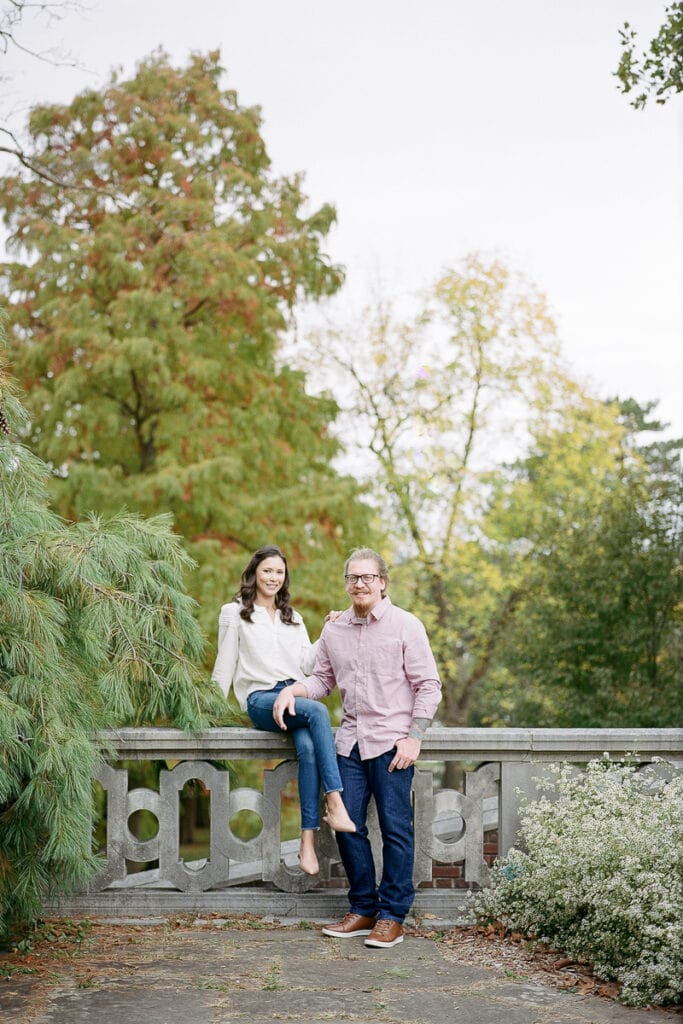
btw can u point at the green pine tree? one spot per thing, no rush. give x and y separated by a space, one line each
96 630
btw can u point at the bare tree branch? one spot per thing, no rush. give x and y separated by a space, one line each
12 16
16 151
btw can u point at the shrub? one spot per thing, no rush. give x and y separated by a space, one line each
96 631
600 876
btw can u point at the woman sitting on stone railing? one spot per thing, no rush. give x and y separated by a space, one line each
263 646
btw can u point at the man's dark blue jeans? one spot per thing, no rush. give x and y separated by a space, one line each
394 896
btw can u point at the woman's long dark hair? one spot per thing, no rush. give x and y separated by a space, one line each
247 592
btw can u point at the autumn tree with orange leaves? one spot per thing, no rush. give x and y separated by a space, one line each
156 261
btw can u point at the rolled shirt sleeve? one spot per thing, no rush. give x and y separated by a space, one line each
421 671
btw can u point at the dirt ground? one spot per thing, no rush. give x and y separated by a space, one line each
85 944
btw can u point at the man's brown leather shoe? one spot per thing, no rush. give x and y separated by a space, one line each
385 933
353 924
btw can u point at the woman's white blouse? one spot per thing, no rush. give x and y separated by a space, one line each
255 655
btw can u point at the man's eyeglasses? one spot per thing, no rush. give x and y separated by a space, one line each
367 578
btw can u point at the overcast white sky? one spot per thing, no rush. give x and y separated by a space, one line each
443 126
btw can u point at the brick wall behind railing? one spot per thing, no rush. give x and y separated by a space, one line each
444 876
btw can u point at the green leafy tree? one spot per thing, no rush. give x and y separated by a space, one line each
530 532
597 639
152 282
658 71
96 631
434 405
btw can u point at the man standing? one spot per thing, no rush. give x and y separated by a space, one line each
379 657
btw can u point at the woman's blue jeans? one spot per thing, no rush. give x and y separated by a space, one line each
394 896
314 742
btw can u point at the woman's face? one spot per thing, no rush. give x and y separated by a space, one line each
270 577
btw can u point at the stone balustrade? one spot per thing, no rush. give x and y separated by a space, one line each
449 825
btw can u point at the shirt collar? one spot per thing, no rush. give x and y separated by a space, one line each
262 610
381 607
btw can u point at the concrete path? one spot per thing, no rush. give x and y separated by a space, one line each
259 974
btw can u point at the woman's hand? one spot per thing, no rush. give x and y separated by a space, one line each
332 616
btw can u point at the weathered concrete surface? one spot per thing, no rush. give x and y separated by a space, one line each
447 906
259 974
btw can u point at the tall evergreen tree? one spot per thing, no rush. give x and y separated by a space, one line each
96 630
153 277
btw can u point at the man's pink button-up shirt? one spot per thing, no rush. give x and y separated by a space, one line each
386 674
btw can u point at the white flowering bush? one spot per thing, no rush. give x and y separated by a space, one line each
600 876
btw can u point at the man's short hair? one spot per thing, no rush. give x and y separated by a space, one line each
362 553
